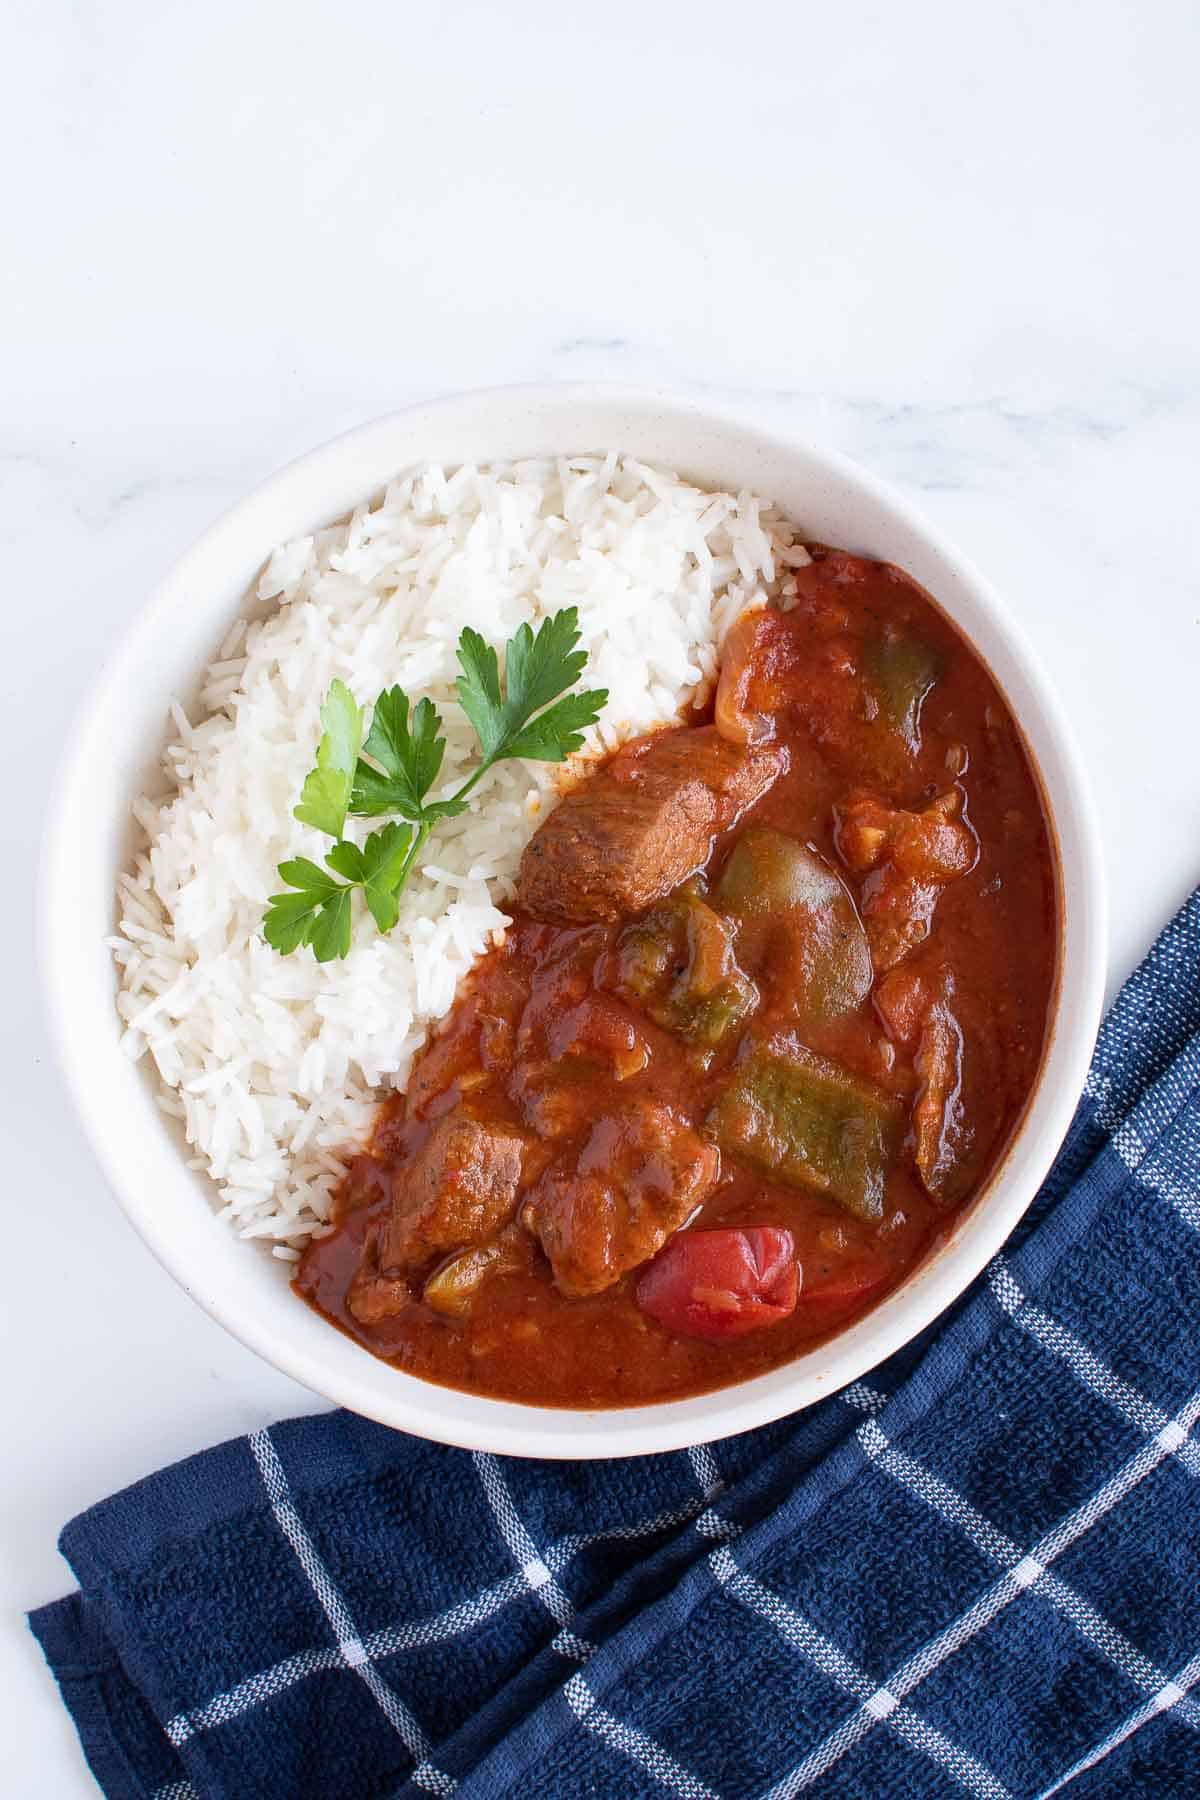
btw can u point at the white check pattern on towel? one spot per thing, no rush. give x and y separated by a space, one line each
537 1571
1023 1570
1060 1398
360 1653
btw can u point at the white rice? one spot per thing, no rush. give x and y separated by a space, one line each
275 1064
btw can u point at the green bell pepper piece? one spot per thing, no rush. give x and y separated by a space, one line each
902 670
677 964
806 1122
796 917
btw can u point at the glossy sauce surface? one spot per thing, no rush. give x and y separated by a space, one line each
546 1042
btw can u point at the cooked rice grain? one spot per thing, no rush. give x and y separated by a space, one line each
275 1064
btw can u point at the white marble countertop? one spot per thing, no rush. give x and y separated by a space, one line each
948 241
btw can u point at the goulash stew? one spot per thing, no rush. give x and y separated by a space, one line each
771 1004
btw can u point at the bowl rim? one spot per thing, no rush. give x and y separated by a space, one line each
422 1407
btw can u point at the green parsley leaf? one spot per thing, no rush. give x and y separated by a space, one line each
330 932
347 859
537 670
325 796
319 913
479 689
301 873
298 918
393 770
558 732
385 857
288 921
410 757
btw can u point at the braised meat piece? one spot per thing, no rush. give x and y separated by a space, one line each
460 1187
639 1177
769 1006
458 1190
372 1297
634 830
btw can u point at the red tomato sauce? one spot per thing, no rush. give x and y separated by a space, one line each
665 1149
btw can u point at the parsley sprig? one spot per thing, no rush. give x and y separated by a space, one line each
390 769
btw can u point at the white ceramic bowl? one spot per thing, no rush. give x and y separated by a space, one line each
114 755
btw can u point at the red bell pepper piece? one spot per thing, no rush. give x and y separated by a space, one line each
721 1284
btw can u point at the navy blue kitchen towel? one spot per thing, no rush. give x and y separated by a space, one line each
976 1572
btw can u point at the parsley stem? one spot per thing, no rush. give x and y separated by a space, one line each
391 768
418 844
462 792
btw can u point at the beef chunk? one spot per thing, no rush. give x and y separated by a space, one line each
630 833
640 1175
459 1188
373 1297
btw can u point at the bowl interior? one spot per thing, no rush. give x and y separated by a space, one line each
91 837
